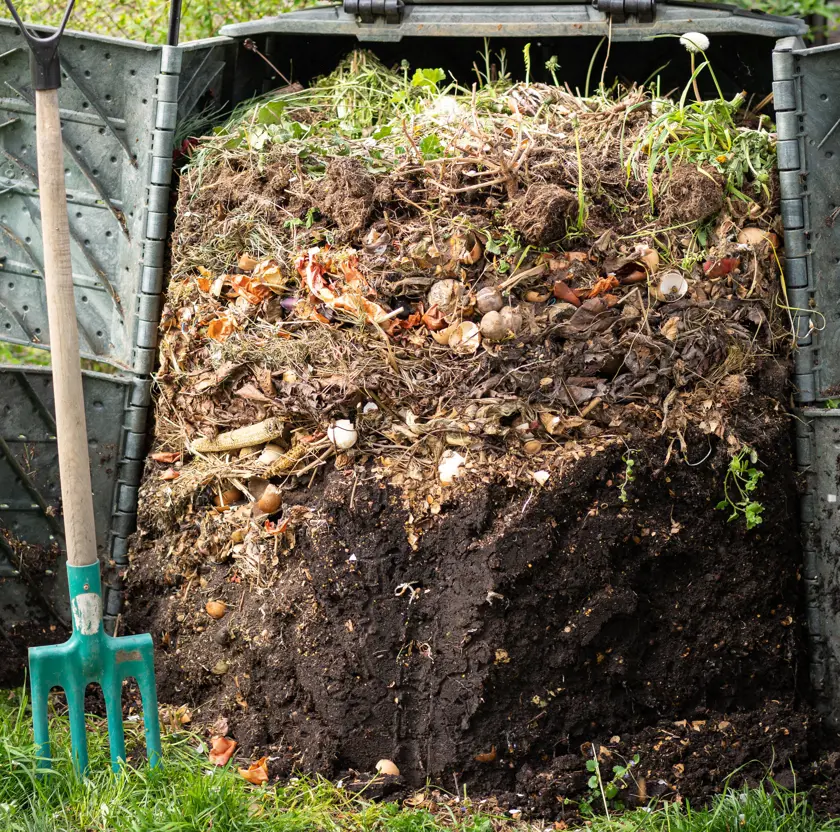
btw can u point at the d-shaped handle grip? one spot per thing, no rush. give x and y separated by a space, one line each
46 68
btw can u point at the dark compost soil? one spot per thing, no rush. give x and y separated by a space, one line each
527 624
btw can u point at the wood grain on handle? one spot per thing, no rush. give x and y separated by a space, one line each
73 460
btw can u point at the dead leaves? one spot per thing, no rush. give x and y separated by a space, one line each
670 328
220 329
249 288
347 295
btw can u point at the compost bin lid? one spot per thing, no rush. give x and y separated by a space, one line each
395 19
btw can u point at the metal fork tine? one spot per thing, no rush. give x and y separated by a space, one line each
75 693
149 700
112 690
40 718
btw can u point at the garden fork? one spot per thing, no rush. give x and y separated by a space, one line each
90 655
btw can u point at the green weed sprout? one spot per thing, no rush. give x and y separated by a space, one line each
629 476
607 790
741 480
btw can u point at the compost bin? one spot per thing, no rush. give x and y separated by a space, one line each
552 607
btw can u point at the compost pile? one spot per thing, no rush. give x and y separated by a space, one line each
454 385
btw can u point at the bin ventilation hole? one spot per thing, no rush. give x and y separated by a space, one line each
25 308
7 325
829 154
84 299
109 233
101 131
37 330
145 100
69 196
113 159
87 243
107 56
11 285
107 97
99 333
132 72
82 47
823 97
95 171
87 73
78 148
85 105
98 405
78 215
28 239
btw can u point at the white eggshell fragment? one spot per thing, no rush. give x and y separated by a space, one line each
342 434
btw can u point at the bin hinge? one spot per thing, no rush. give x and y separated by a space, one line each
620 10
369 10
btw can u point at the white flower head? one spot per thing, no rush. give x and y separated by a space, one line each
695 41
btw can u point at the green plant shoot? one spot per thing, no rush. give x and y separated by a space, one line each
742 478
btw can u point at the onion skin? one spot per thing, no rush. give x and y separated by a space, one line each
562 291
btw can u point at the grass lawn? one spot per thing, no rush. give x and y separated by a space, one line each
187 794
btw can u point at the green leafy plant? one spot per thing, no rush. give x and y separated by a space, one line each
742 478
147 20
832 404
552 65
606 790
704 134
629 476
428 78
798 8
431 147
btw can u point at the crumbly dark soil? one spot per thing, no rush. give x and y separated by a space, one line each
541 213
347 193
36 566
527 624
690 194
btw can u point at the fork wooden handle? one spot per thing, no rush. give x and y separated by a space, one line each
73 457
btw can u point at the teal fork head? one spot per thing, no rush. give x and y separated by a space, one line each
91 655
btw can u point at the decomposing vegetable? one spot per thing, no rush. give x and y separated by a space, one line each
221 750
388 768
271 499
489 299
216 609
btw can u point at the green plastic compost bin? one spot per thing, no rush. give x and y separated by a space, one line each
125 106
